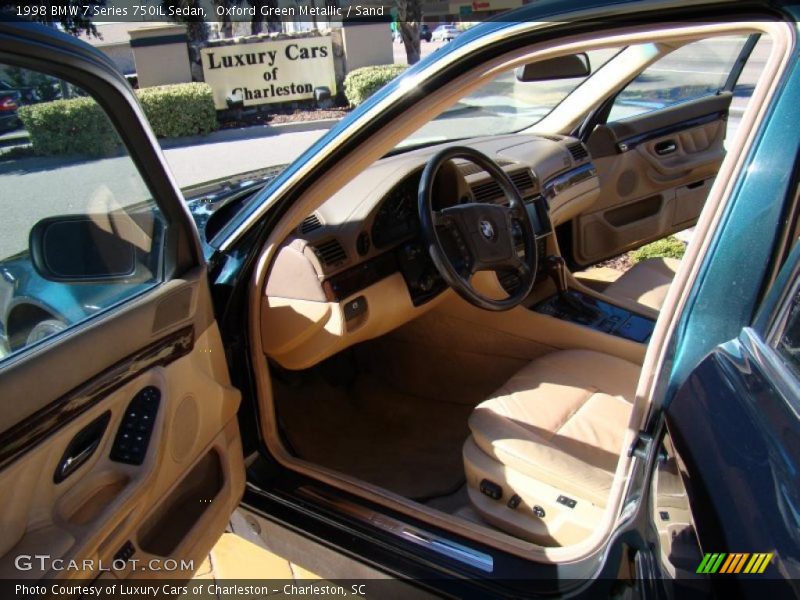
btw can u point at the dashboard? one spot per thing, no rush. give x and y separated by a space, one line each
357 267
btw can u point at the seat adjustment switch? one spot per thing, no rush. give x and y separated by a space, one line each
514 502
491 489
567 501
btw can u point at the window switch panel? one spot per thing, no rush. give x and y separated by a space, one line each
133 435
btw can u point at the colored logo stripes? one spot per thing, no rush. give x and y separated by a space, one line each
736 562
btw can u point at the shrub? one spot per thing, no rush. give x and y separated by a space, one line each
669 247
179 110
80 126
361 83
76 126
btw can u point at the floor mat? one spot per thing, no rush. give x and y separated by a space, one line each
369 430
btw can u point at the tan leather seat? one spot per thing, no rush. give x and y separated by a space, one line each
555 429
646 282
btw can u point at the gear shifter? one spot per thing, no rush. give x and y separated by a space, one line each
556 268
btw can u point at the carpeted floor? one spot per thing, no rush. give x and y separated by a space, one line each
372 431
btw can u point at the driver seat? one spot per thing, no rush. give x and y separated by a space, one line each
544 447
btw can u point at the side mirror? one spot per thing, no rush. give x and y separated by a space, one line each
76 249
560 67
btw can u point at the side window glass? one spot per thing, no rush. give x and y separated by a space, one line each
697 69
788 344
79 231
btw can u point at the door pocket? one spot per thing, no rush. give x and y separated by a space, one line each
636 211
187 503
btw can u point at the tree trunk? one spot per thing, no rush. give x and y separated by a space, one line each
257 21
226 25
409 17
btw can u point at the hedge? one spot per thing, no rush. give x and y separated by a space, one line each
80 126
76 126
179 110
361 83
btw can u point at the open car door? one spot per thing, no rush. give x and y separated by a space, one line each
659 146
120 450
734 423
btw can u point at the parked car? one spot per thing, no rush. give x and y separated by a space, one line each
9 102
404 332
445 33
424 34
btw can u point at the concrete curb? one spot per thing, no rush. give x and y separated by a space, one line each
224 135
247 133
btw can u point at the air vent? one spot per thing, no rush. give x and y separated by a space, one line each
487 191
330 253
310 223
522 179
578 152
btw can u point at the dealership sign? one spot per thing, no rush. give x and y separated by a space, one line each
273 71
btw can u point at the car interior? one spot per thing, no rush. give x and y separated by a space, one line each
430 327
438 346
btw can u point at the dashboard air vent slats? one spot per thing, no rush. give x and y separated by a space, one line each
483 192
578 152
330 253
490 190
522 179
310 223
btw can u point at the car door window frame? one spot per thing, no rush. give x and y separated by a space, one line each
104 86
601 115
93 74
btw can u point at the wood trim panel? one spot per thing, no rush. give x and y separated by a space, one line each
19 439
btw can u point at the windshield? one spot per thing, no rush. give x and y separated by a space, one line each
503 105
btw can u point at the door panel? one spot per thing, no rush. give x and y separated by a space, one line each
737 431
655 173
119 443
172 505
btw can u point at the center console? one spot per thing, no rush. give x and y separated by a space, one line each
591 312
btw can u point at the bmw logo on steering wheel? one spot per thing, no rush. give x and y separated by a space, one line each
487 229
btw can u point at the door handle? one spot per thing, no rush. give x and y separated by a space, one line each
82 447
665 147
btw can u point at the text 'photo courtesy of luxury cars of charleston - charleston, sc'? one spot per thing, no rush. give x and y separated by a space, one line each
399 299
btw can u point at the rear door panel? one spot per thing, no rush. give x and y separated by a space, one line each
655 170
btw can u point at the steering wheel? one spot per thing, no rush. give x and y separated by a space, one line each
481 235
